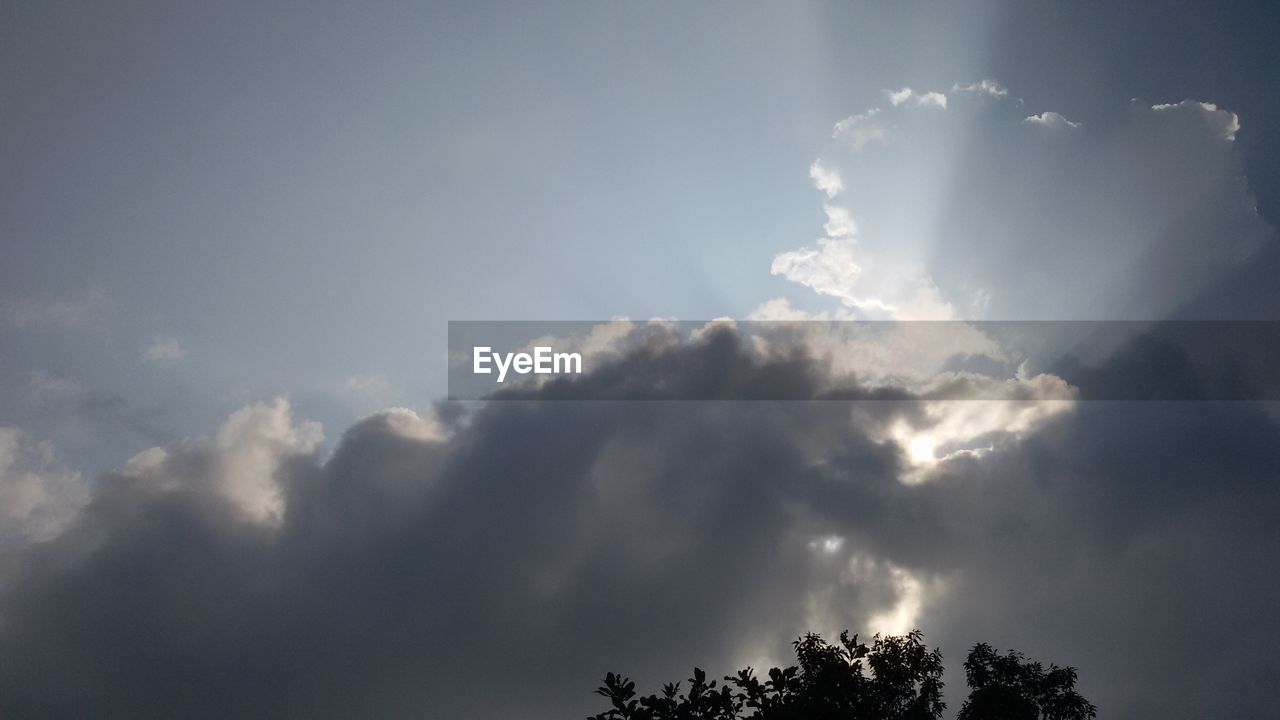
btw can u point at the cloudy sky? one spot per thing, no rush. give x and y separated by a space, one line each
233 234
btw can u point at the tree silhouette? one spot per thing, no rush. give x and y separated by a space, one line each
1008 687
894 678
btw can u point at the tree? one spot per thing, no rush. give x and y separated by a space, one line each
894 678
1008 687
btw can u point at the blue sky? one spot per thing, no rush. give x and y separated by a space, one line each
299 198
256 183
294 199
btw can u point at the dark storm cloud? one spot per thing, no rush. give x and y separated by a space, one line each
1136 539
496 565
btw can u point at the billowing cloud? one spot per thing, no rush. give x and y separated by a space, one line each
828 268
839 223
252 446
828 181
986 211
241 463
38 495
532 545
1223 123
529 545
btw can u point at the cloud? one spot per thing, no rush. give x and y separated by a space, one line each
828 268
897 97
533 545
1223 123
781 310
833 267
839 223
907 96
372 389
983 87
857 131
1051 120
253 444
828 181
38 495
241 464
164 349
47 384
382 578
986 211
46 312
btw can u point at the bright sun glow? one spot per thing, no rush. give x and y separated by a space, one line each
921 449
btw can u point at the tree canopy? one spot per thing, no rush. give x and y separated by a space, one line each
896 677
1008 687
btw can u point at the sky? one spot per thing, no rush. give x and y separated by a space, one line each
233 235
